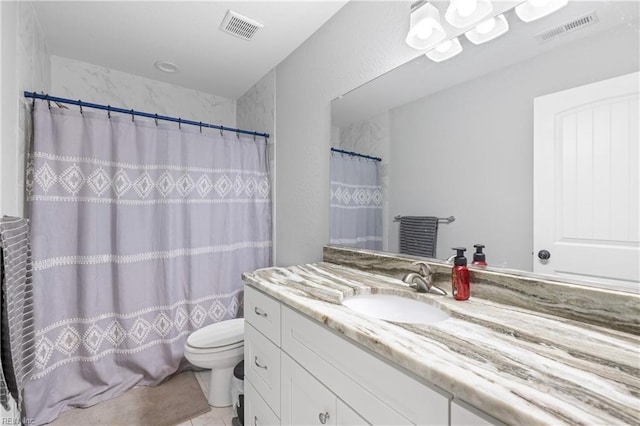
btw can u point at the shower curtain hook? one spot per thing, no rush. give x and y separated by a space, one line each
237 135
221 133
80 104
48 101
133 120
254 136
179 123
201 127
156 119
109 111
33 101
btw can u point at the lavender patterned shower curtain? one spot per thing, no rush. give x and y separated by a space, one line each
140 233
356 202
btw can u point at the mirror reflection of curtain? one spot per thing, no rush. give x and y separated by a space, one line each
356 202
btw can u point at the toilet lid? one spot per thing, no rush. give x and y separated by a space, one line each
222 333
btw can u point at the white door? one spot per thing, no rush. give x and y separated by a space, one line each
586 192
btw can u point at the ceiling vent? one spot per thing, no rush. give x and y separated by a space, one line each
239 25
569 27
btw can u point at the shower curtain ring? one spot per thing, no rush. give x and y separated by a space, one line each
33 101
201 127
156 119
133 120
254 136
179 123
237 135
109 111
48 101
221 127
80 104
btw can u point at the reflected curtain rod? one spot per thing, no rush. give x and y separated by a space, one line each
355 154
132 112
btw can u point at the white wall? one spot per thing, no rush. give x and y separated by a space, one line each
360 42
468 151
92 83
25 66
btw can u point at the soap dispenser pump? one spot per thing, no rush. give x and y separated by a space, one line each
460 275
479 257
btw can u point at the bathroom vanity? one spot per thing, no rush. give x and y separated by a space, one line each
311 360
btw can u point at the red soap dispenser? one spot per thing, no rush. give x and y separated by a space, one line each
479 257
460 275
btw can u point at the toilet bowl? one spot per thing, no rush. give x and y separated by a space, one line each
218 347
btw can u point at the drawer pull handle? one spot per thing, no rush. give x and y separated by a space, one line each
255 420
259 312
258 364
324 417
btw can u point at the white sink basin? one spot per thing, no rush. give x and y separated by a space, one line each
395 308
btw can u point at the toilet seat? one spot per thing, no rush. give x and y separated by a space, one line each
212 351
223 334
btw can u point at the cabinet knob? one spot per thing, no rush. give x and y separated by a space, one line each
264 367
324 417
259 312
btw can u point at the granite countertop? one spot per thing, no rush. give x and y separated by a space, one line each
519 366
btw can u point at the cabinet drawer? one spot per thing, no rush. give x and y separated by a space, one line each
262 366
262 312
360 378
257 412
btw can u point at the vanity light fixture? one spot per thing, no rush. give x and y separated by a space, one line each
488 30
465 13
425 29
536 9
445 50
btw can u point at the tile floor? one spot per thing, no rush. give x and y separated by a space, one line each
215 417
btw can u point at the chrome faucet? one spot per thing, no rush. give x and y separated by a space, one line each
423 281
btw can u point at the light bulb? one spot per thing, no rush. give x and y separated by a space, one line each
467 7
486 26
538 3
424 31
444 46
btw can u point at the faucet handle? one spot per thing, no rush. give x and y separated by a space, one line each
425 269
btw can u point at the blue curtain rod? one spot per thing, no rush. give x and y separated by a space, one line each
131 112
355 154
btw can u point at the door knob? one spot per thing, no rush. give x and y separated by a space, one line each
544 254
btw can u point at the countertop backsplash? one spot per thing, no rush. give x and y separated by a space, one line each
607 308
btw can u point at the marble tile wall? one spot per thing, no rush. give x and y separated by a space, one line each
92 83
30 69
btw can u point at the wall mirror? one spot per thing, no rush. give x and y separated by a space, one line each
456 137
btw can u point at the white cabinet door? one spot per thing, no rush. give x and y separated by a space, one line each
256 410
305 401
586 182
348 417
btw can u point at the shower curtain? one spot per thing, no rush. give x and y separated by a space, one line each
140 233
356 202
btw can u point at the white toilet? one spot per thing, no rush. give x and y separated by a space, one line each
220 347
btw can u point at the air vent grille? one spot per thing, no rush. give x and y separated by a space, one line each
239 25
569 27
